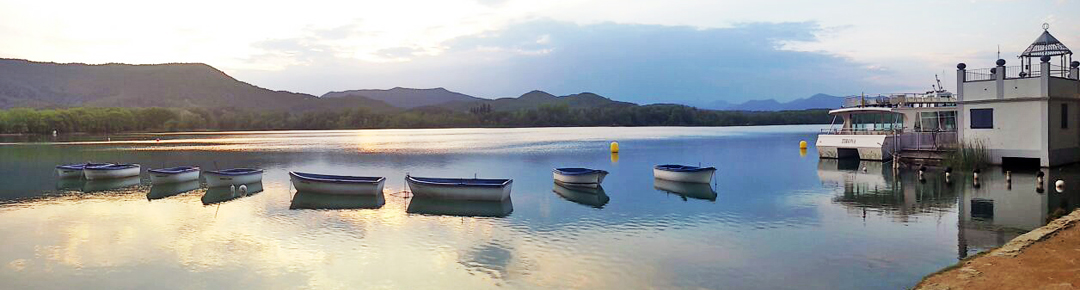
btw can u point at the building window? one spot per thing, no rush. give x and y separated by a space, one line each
1064 116
982 118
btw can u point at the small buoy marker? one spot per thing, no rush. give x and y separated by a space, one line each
614 147
802 144
1008 176
948 172
1059 185
243 189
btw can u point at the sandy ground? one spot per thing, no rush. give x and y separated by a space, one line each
1045 258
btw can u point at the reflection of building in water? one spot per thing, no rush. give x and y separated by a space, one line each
996 211
872 186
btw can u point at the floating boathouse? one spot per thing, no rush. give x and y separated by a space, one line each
1029 113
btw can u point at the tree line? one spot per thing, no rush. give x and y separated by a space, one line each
116 120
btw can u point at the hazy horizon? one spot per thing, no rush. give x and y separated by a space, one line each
649 52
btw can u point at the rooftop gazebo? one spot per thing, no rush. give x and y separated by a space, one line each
1045 48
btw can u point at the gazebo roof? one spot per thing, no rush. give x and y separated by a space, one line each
1046 45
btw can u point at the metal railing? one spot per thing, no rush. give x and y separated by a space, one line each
860 131
979 74
926 140
898 100
1014 72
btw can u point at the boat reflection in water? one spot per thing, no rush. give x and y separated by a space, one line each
686 189
74 184
310 200
989 215
465 208
221 194
159 191
97 185
594 197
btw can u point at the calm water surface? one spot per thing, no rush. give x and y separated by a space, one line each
777 218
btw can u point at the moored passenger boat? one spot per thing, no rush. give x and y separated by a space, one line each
75 170
579 177
879 127
337 184
111 171
173 174
460 188
684 173
233 176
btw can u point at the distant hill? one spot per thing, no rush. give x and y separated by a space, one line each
50 85
817 101
407 98
537 98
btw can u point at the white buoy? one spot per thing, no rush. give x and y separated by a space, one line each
1059 185
243 189
232 189
864 169
1008 176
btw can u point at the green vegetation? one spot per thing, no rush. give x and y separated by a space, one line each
113 120
968 155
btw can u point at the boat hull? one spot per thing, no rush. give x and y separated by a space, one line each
162 178
703 176
69 173
99 173
439 191
864 147
219 180
338 188
589 180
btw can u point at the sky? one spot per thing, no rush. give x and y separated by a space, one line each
645 51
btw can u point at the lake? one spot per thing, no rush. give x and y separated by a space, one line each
775 218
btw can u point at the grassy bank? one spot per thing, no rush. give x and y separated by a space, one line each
968 155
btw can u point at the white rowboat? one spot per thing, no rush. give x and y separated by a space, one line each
460 188
234 176
579 177
683 173
337 184
75 170
111 171
173 174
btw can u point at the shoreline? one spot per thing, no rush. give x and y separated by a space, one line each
210 131
1042 258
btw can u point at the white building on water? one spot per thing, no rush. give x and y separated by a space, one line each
1027 113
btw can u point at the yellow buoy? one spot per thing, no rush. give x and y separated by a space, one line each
614 147
802 144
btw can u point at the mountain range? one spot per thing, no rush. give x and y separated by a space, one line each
194 85
817 101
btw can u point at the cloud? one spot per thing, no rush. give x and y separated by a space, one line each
632 62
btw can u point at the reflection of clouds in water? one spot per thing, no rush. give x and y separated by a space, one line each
246 242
